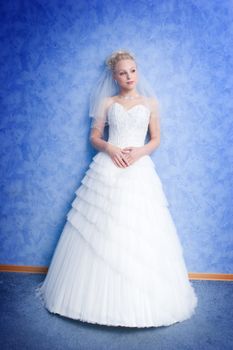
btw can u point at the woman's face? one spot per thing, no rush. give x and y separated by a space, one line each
126 74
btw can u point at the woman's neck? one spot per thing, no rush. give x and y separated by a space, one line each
130 93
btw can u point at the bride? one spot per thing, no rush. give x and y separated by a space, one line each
119 260
124 71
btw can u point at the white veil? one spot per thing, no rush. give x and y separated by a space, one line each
106 87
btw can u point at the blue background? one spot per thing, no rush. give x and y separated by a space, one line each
52 53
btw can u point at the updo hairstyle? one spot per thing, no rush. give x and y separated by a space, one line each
116 56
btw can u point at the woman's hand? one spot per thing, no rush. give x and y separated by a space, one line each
117 155
131 154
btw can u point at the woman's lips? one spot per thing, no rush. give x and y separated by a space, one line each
130 82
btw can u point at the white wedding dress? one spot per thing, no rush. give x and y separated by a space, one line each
119 260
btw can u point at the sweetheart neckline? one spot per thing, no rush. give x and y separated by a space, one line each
127 110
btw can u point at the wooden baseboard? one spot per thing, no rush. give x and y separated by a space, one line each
210 276
23 268
192 275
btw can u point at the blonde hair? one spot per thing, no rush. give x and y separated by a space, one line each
116 56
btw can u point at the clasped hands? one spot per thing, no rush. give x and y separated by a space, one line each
123 157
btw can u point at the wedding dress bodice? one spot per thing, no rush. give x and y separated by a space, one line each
128 127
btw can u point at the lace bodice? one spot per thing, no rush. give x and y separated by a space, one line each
128 127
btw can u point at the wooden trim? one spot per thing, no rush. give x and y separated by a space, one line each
23 268
210 276
192 275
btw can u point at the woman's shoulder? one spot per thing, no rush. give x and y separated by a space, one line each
151 99
153 102
107 101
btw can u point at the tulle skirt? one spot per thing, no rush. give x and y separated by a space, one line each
119 260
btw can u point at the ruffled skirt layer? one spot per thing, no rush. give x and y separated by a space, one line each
119 260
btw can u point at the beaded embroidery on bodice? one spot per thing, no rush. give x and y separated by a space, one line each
128 127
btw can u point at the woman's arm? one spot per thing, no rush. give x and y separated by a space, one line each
96 138
154 129
97 129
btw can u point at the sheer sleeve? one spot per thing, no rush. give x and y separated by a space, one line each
154 108
155 119
100 118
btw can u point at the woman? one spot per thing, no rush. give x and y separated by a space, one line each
119 260
125 74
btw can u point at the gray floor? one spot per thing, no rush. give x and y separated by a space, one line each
26 324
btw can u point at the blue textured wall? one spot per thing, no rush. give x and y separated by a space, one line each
51 54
